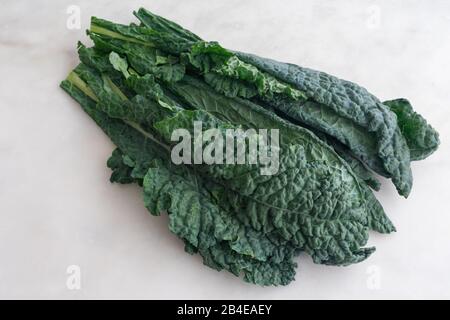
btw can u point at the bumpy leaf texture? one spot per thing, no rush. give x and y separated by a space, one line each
235 218
338 108
140 83
422 139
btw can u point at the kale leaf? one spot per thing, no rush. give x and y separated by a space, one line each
139 83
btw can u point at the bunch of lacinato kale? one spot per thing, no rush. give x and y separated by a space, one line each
141 82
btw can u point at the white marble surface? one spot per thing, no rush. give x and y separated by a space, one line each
58 209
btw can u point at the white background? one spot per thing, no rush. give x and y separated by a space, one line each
57 207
